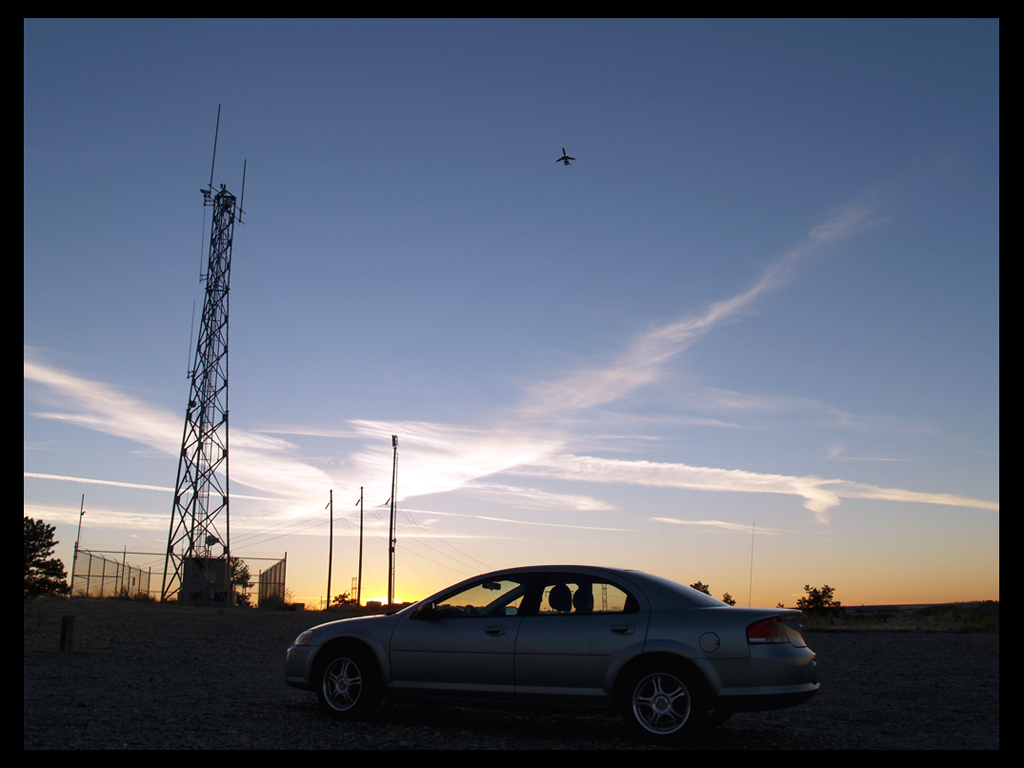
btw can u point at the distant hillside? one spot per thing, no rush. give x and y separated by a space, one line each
978 616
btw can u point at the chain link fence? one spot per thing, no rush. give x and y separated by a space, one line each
110 574
271 585
98 576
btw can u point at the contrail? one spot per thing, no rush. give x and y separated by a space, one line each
40 476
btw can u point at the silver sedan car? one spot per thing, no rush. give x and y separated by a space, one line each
673 660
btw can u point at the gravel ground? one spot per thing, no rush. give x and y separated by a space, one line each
149 676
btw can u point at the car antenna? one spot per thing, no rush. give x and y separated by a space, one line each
750 585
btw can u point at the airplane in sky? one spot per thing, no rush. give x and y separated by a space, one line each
565 158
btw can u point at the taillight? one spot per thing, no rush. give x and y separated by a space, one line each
770 630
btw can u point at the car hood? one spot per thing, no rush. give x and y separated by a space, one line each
355 626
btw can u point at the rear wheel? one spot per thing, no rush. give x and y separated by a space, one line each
348 684
664 701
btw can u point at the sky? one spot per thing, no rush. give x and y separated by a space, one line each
750 336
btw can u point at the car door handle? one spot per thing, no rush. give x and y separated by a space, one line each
622 629
495 631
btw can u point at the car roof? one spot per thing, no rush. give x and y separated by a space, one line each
659 589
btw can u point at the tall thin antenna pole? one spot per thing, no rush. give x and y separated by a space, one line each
391 532
214 161
359 583
241 200
330 550
750 586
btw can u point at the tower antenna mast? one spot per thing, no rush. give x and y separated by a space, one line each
213 162
197 567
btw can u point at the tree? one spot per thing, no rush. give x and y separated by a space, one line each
44 574
240 581
342 599
700 586
820 602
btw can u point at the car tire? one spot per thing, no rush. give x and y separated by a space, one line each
348 684
664 702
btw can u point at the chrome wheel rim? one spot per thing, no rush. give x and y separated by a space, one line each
342 684
661 703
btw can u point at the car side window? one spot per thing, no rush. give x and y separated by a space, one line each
573 594
502 597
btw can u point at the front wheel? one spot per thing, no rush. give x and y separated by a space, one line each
664 703
348 684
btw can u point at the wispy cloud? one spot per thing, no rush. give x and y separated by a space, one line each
535 498
533 442
643 360
434 458
592 469
818 494
851 490
517 522
741 528
103 408
258 461
836 452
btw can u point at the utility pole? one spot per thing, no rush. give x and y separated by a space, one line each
74 561
330 550
359 583
391 532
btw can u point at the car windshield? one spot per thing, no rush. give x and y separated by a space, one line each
490 597
690 594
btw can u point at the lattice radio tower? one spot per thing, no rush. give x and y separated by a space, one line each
198 563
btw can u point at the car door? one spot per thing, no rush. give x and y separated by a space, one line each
583 625
462 645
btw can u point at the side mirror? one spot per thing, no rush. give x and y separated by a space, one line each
426 612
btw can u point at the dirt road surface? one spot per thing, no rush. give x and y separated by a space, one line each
149 676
